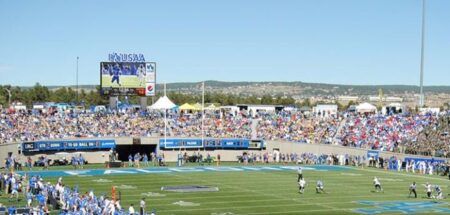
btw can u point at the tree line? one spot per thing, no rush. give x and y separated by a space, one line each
39 93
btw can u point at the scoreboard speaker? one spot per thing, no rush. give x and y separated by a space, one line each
136 141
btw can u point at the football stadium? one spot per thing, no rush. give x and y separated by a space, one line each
318 110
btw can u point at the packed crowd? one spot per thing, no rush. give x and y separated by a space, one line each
388 133
297 127
215 126
433 140
23 126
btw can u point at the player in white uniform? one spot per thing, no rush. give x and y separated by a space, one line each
319 187
428 189
15 190
106 70
141 74
301 185
377 185
300 173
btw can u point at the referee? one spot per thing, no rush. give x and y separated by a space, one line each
412 189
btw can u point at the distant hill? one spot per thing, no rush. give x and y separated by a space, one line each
289 88
300 88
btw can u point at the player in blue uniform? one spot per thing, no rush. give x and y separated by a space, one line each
81 161
116 72
145 160
130 160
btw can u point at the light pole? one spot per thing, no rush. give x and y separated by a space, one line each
77 80
9 96
422 50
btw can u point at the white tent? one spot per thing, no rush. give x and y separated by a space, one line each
366 108
211 107
162 103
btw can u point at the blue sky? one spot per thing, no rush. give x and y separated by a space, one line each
327 41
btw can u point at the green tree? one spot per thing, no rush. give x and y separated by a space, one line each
266 100
306 102
39 93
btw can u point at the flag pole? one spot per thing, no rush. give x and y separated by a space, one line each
165 119
164 89
77 82
203 114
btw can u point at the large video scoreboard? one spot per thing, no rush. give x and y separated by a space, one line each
127 74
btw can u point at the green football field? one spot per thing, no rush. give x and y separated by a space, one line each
130 81
349 191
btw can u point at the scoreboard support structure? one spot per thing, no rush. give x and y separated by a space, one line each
113 102
143 102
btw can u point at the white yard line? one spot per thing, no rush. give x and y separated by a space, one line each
300 200
300 197
302 211
251 207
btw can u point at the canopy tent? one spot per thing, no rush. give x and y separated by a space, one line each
197 106
163 103
211 107
366 108
186 106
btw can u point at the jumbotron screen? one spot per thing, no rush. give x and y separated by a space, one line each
128 78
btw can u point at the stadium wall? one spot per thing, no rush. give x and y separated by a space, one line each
226 155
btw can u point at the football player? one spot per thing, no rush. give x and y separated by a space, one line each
299 173
438 190
116 72
141 74
377 185
301 185
319 187
428 189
